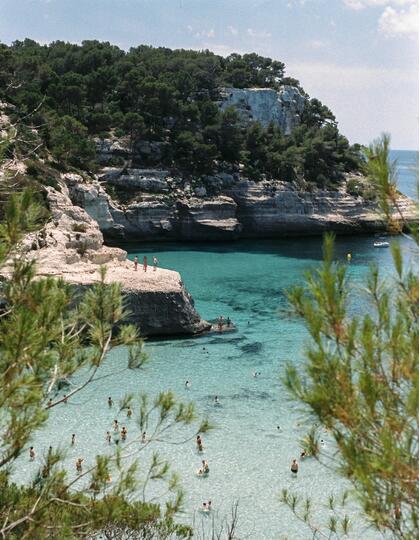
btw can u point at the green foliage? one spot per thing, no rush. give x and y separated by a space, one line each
70 144
361 375
338 524
168 95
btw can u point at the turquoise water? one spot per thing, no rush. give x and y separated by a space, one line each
249 458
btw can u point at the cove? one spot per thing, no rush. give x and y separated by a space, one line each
249 459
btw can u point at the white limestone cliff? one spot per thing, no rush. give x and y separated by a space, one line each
266 105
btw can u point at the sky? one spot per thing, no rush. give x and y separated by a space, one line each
359 57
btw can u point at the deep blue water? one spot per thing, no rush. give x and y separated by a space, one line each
249 458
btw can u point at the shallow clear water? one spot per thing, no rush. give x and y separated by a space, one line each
249 459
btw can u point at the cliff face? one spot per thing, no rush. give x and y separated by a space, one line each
266 105
71 246
240 209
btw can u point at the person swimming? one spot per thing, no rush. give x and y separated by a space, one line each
124 433
187 384
116 425
199 443
117 437
110 402
216 400
73 439
31 453
294 467
303 454
79 462
129 412
108 437
143 437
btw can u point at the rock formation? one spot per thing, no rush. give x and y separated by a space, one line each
266 105
240 209
71 246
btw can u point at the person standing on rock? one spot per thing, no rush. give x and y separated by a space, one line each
145 263
136 262
155 263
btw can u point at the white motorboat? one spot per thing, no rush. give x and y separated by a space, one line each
381 244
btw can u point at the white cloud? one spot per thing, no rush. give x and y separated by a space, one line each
318 43
361 4
395 22
258 34
233 30
399 17
205 33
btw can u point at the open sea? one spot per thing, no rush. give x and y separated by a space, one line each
249 457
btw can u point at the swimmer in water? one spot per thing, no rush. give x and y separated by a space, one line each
209 506
187 384
143 437
124 433
31 453
206 468
117 437
73 439
110 402
115 425
108 437
294 467
255 374
216 400
303 454
79 462
279 430
129 412
50 402
65 398
199 443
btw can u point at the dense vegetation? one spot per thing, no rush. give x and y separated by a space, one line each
158 94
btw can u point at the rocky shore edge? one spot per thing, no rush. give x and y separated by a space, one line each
166 209
71 246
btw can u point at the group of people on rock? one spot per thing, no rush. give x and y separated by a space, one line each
145 263
221 321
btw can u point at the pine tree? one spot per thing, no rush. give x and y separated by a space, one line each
360 379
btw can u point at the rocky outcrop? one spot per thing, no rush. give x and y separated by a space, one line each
241 209
266 105
71 246
213 219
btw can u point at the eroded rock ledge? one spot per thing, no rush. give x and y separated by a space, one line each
71 246
240 209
